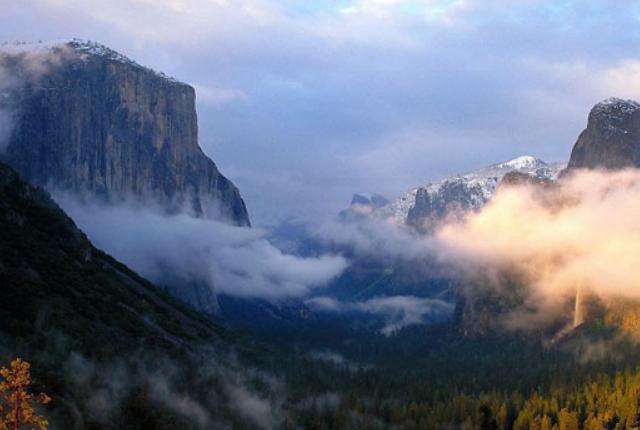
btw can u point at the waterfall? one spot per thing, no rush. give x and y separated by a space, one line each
578 316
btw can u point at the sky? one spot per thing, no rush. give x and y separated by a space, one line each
303 103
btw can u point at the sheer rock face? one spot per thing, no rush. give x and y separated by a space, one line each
611 139
90 120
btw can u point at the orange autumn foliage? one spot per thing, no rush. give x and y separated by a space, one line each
16 402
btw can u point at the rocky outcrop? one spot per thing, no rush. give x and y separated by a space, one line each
424 205
611 139
88 119
434 202
363 205
452 196
516 178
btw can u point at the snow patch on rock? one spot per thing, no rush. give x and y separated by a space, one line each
84 48
480 185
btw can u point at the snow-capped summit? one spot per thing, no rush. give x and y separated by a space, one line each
523 162
464 191
614 103
614 115
611 139
65 47
52 46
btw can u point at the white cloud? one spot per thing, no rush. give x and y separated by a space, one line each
181 22
622 80
232 260
403 311
251 406
398 311
217 96
580 235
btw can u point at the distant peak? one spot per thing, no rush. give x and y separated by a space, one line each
372 199
614 104
522 162
524 159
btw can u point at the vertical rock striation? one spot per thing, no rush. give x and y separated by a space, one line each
88 119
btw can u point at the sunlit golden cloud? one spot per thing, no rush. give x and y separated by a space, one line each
583 232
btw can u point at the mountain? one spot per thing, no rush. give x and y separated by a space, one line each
89 119
369 276
362 205
612 137
429 203
610 141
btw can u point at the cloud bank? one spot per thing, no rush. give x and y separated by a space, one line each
105 387
581 234
20 64
397 311
231 260
374 238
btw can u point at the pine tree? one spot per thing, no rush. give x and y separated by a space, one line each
567 420
487 421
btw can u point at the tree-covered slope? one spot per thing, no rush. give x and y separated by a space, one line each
111 349
52 275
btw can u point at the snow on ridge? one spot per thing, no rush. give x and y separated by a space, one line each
613 101
615 109
81 46
481 184
48 46
612 113
396 212
522 162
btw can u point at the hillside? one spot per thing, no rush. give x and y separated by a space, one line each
52 273
110 348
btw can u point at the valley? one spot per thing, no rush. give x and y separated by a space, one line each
144 296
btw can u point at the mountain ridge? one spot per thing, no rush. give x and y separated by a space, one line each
466 191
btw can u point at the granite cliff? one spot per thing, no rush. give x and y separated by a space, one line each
611 139
90 120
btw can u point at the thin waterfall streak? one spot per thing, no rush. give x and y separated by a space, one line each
578 317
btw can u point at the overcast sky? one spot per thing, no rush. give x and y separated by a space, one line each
303 103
